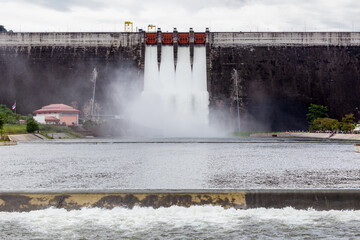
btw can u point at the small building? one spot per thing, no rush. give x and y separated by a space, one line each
57 114
357 128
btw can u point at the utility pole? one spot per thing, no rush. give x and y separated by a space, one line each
237 98
93 97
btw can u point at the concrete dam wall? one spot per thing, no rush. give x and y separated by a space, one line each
279 74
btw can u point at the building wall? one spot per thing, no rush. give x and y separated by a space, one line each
40 117
69 119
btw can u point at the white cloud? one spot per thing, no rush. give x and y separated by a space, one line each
219 15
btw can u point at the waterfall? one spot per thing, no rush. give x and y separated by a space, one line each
201 94
174 102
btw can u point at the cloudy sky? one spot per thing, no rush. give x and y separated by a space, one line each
218 15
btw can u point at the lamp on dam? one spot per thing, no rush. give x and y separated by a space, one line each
128 27
151 28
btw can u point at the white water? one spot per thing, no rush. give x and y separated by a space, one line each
174 102
197 222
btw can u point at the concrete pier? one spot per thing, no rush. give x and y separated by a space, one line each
319 199
8 143
357 148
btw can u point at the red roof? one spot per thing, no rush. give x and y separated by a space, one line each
51 119
57 108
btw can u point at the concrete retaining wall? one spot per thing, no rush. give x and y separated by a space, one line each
8 143
357 148
23 137
339 136
239 199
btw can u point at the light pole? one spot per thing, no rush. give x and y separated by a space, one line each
93 97
237 98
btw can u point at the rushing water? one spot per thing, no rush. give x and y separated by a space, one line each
197 222
174 101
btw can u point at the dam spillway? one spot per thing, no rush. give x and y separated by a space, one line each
280 73
175 99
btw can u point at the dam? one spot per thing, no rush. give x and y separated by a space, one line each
279 73
170 187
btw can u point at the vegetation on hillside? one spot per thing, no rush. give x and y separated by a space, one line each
9 116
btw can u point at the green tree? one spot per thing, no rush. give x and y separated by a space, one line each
317 111
2 29
323 124
315 125
8 115
32 126
2 122
348 122
348 118
330 124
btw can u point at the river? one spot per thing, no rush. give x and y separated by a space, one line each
244 163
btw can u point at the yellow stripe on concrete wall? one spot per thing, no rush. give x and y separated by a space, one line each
28 202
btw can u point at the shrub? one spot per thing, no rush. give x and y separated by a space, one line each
32 126
323 124
2 122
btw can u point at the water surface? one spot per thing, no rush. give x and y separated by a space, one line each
179 164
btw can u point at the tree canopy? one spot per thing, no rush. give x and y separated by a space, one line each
317 111
323 124
8 115
2 29
348 118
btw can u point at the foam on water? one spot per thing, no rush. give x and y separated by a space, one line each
193 222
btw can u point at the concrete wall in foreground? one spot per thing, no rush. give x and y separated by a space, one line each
239 199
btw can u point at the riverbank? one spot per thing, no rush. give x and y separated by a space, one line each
338 136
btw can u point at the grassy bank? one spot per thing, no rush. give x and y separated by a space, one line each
44 129
14 129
